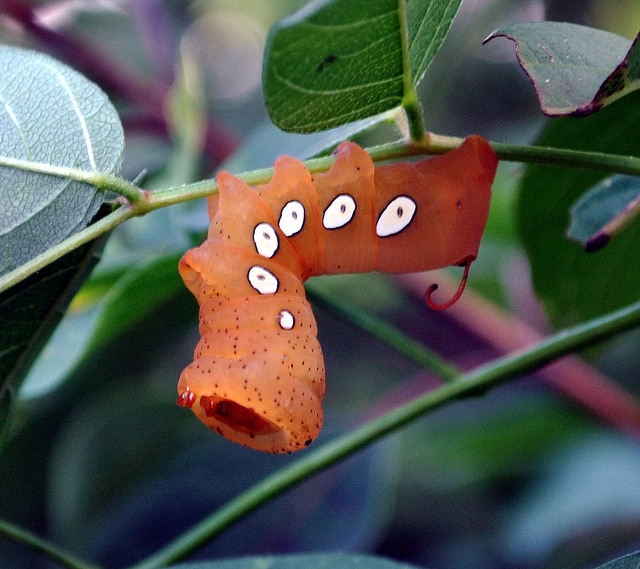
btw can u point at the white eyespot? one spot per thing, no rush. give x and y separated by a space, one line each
339 212
396 216
266 240
291 218
265 282
286 320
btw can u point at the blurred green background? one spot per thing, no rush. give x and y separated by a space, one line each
102 461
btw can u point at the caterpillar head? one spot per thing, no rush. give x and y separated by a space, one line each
254 401
258 373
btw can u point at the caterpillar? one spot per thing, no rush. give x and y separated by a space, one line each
258 375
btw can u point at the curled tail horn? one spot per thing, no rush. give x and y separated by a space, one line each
463 283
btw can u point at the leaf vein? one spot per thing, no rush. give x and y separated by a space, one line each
16 122
350 89
76 109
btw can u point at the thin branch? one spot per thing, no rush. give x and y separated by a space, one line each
142 202
476 381
39 545
570 376
385 332
548 156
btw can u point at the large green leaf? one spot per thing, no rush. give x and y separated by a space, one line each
575 70
631 561
52 115
337 61
30 311
303 561
575 285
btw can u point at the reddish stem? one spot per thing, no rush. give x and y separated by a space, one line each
463 283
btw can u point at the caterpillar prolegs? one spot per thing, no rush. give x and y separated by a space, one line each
258 374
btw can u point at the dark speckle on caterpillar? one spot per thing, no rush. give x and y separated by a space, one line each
258 374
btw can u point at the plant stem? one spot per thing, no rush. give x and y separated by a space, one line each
478 380
39 545
100 180
142 202
410 101
414 119
548 156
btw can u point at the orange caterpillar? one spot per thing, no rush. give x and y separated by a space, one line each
258 373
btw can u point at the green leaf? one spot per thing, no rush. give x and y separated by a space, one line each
572 284
137 293
428 25
49 114
575 70
604 210
338 61
134 295
30 311
622 80
631 561
6 401
301 561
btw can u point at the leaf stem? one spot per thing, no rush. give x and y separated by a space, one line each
414 118
482 378
100 180
40 545
410 101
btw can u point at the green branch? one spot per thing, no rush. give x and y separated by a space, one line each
548 156
141 202
479 380
39 545
83 237
385 332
